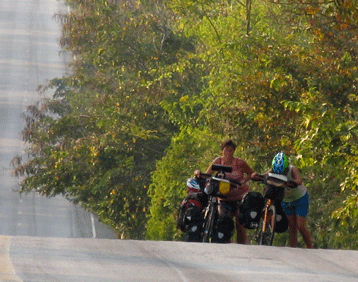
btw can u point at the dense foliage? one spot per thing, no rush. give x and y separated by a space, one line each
156 85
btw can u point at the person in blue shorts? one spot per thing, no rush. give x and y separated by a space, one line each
295 202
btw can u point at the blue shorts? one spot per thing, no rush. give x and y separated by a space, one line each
298 207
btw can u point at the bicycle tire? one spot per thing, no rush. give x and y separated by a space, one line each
209 223
266 237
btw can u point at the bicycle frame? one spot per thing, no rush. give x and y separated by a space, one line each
216 187
210 215
266 228
268 203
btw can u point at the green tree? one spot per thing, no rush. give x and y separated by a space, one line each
97 139
328 128
244 77
285 86
155 86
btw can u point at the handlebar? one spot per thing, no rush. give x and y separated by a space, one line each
217 184
260 178
277 180
207 176
235 182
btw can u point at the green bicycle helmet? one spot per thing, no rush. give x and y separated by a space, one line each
279 163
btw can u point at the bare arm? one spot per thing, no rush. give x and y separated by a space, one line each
296 176
253 175
210 168
246 169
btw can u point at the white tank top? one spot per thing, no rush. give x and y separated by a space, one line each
293 194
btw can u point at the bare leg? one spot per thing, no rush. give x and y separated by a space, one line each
241 233
302 228
292 229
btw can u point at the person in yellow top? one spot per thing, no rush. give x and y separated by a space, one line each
241 172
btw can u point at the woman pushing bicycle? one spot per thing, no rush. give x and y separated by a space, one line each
241 172
295 202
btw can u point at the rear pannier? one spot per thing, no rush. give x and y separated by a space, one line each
250 209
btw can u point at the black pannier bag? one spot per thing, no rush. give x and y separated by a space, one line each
250 209
281 220
274 190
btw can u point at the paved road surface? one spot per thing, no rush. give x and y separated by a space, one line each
63 259
29 56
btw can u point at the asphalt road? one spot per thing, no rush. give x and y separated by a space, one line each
62 259
29 56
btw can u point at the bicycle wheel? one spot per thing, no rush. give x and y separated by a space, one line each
267 232
209 219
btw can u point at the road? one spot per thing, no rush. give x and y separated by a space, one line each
29 56
49 240
63 259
